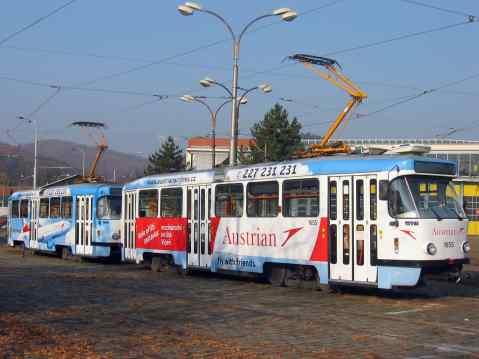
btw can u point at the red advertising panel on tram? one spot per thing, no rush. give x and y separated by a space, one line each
161 233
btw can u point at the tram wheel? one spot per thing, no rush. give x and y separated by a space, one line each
158 264
66 253
276 275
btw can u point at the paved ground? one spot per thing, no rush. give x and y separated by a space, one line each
51 308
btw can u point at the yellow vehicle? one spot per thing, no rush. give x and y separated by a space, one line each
337 78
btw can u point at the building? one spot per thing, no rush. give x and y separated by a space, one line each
199 151
464 152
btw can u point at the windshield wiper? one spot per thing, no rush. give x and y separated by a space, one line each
459 217
438 217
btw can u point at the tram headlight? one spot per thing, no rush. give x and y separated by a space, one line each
431 249
466 247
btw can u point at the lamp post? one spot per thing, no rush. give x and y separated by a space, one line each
79 149
265 88
286 14
35 148
213 114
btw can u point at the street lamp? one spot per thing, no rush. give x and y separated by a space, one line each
35 145
213 114
79 149
286 14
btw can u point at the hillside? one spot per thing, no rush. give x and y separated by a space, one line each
17 161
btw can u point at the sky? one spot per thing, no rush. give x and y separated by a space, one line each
111 57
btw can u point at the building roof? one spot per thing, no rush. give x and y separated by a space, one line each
219 142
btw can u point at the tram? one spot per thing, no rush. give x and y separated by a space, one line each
379 221
73 220
19 218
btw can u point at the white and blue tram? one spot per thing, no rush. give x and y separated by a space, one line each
78 219
380 221
19 218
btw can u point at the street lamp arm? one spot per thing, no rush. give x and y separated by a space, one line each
245 93
196 99
224 87
220 107
230 30
251 23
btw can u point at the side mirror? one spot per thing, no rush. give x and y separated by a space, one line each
383 190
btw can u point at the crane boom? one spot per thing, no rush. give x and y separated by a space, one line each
335 76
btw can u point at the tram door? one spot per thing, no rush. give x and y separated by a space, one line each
199 212
129 213
35 205
365 228
83 225
340 228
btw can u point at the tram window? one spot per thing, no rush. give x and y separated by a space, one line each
67 207
209 203
24 208
171 202
345 200
373 200
148 203
108 207
333 200
14 210
374 244
55 207
360 252
263 199
359 200
346 246
333 244
301 198
202 206
229 200
44 208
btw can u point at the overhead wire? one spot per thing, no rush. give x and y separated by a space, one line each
450 11
36 22
197 49
469 20
418 95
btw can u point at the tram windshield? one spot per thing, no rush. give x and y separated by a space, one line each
424 197
108 207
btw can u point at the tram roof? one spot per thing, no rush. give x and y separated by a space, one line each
80 188
346 164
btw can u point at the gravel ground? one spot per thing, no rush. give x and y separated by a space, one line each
51 308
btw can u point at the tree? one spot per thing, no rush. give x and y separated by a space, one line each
168 158
276 138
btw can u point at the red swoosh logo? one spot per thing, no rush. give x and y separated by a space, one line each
291 232
409 233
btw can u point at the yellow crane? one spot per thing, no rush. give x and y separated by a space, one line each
101 145
337 78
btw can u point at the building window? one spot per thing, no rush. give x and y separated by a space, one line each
263 199
171 202
301 198
471 207
464 165
474 165
229 200
148 203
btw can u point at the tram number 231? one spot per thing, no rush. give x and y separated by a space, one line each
270 171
